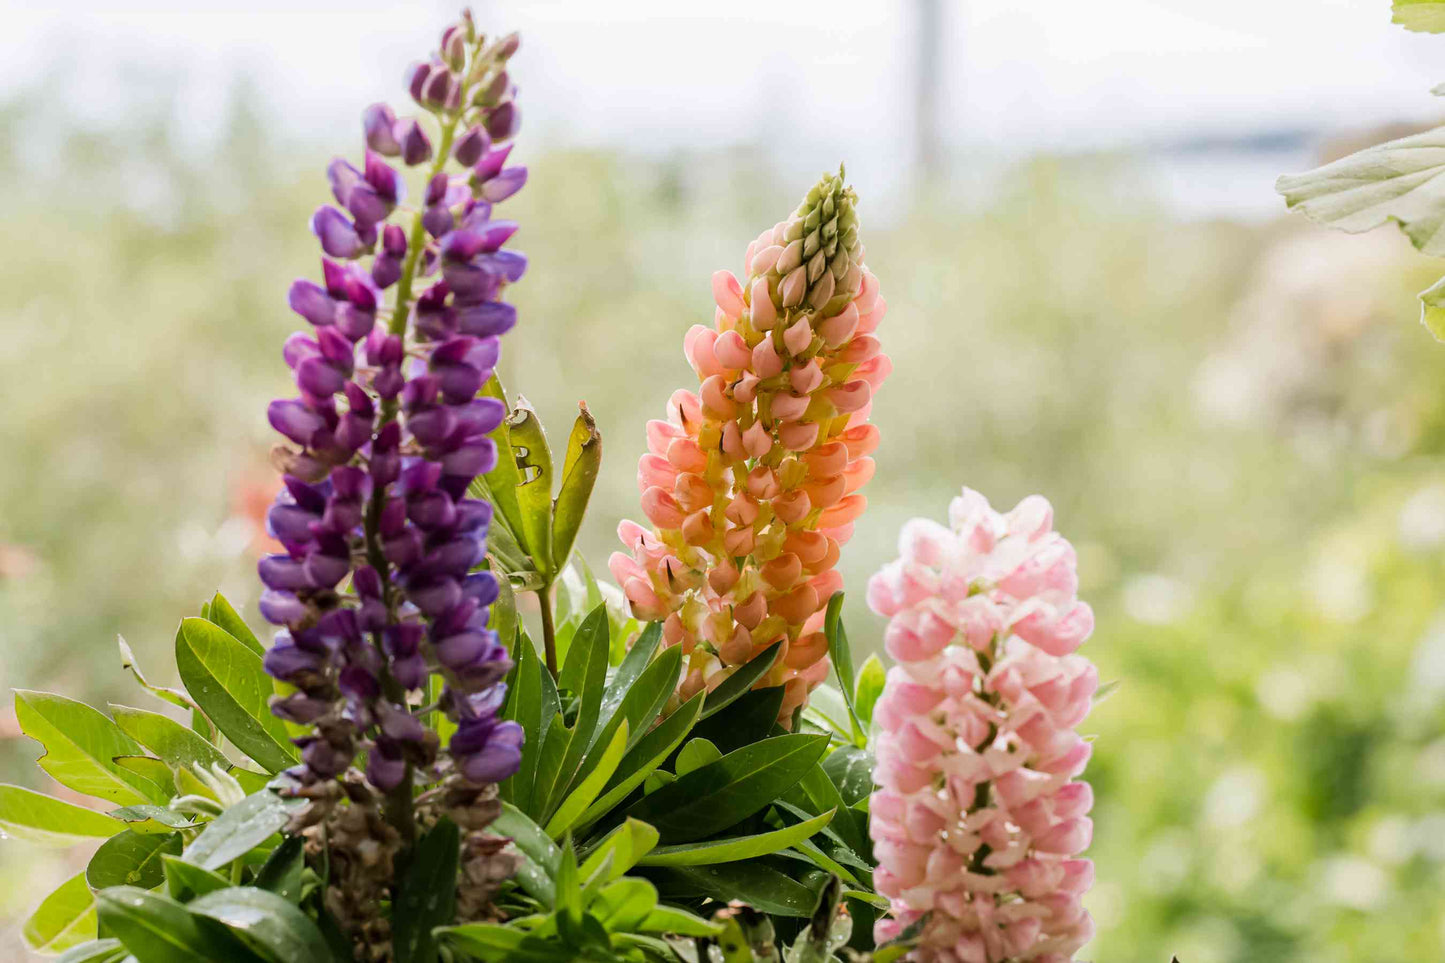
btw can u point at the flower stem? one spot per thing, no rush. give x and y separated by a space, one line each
549 630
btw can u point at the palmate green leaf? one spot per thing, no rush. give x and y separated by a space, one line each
64 919
157 929
723 793
619 850
240 829
540 856
758 882
81 746
266 922
579 475
588 788
1424 16
741 680
38 818
644 758
228 682
428 894
131 859
185 881
735 848
172 742
533 485
96 951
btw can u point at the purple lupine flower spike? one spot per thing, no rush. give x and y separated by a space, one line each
377 589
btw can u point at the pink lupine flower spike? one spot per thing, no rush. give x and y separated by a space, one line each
978 818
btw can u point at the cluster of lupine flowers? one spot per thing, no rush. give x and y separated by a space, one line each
977 816
375 588
751 484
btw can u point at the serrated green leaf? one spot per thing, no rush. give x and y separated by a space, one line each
185 881
644 758
131 859
240 829
428 894
741 680
1398 180
533 484
723 793
1423 16
265 922
228 682
81 746
590 786
172 742
734 848
579 475
63 919
38 818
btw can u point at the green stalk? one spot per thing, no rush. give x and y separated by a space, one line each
549 629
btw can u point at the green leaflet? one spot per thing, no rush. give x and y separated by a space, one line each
576 803
579 475
644 758
871 677
240 829
428 894
541 857
265 921
735 848
620 850
533 484
755 882
174 744
185 881
131 859
725 792
81 746
1425 16
227 680
38 818
64 919
741 680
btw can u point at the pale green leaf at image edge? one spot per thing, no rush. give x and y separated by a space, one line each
1424 16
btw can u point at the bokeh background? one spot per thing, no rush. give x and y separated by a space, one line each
1094 294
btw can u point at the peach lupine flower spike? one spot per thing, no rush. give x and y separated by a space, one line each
751 484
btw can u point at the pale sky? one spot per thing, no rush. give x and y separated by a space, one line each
812 80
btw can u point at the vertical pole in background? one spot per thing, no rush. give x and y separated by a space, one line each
927 78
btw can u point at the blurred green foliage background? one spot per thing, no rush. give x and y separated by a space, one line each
1240 426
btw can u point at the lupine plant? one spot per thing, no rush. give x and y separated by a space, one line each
402 776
